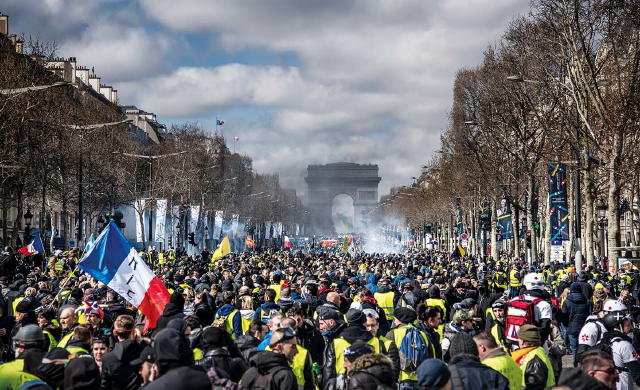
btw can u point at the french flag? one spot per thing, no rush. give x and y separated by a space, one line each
287 242
115 263
34 247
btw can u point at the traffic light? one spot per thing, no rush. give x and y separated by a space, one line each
192 238
427 227
528 238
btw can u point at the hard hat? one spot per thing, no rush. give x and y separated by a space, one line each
613 305
614 319
29 334
533 281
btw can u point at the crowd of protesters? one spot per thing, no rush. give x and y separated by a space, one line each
294 320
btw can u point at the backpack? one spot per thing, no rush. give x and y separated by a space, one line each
520 311
218 383
413 349
263 381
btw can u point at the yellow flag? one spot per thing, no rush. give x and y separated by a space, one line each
461 250
223 249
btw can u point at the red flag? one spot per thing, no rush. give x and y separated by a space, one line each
287 243
236 138
249 242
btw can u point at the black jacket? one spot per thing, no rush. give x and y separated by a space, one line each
205 313
171 310
227 366
576 379
265 362
575 310
311 338
475 375
372 371
351 334
181 378
117 373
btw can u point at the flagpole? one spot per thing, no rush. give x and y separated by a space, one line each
63 286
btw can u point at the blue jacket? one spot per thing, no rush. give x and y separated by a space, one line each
575 310
266 308
265 342
225 310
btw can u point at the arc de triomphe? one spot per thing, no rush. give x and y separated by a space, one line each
325 182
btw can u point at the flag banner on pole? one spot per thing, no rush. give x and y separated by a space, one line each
161 215
504 222
249 242
34 247
267 230
195 215
287 242
558 210
139 208
234 225
90 242
217 224
223 249
112 261
175 215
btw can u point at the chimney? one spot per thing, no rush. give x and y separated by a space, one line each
4 24
19 47
114 96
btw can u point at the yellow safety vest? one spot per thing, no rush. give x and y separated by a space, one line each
15 303
77 351
495 279
514 281
398 335
65 340
385 301
276 288
340 344
52 341
505 365
161 259
439 303
228 323
197 354
297 366
524 355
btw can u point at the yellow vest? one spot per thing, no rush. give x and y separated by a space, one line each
15 303
197 354
77 351
398 335
385 301
505 365
495 279
524 355
65 340
439 303
276 288
340 344
228 323
52 341
514 281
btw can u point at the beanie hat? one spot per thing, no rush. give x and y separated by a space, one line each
433 374
461 315
24 306
355 317
405 315
529 333
462 343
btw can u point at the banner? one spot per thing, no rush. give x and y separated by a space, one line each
175 220
267 230
217 224
161 215
193 221
234 225
558 210
139 209
459 226
505 228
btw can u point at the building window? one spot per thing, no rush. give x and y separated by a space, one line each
367 195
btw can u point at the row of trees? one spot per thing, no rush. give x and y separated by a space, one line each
561 85
56 161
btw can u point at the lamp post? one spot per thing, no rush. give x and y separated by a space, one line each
28 217
601 211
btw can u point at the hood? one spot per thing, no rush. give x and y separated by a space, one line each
266 360
376 365
172 350
576 379
246 342
268 306
382 288
127 350
225 310
247 314
372 279
577 297
357 332
171 309
575 288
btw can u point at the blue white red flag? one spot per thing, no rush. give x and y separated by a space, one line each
115 263
34 247
219 123
90 242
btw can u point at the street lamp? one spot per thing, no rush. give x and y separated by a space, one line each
28 217
601 211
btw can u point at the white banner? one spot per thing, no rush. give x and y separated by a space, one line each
193 222
217 224
267 230
297 229
234 225
139 209
277 230
161 217
175 219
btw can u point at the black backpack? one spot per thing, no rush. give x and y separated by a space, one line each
264 380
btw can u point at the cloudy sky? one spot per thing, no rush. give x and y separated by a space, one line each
299 81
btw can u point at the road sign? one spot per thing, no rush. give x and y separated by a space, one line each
557 253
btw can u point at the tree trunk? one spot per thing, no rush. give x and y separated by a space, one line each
494 223
515 222
530 211
547 234
613 212
588 247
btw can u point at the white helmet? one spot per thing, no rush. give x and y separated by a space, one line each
533 281
613 305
